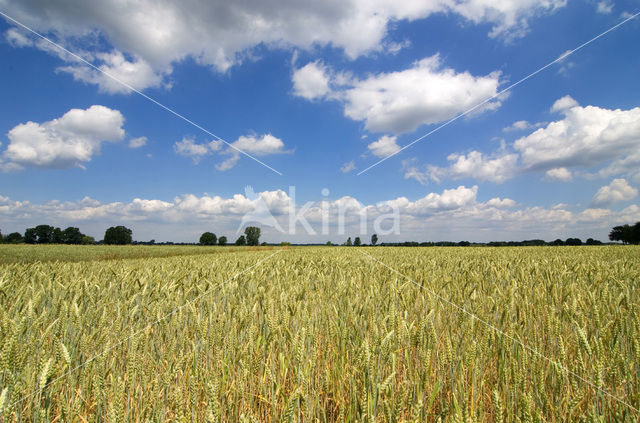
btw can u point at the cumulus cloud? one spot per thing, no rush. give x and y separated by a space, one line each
254 145
587 137
311 81
136 73
497 168
263 145
452 214
348 167
384 146
426 93
559 174
501 202
68 141
618 190
137 142
187 147
604 7
522 125
220 33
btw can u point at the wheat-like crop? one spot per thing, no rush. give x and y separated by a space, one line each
324 335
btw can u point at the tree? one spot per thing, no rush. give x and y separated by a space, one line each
208 238
57 237
222 240
253 235
44 234
72 235
357 242
374 239
30 236
626 233
13 238
329 244
558 242
88 240
118 235
349 244
241 241
573 241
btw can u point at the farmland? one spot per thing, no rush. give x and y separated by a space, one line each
323 334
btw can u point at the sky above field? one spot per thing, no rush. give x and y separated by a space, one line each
209 115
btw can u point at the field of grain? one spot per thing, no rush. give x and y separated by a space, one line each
325 334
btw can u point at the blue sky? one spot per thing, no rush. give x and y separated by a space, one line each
320 92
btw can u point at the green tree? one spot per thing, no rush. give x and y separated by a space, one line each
626 233
118 235
30 236
241 241
13 238
208 238
357 242
374 239
88 240
44 234
222 240
329 244
57 237
72 235
253 235
349 244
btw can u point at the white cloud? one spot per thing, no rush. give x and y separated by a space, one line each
187 147
68 141
618 190
559 174
510 18
137 73
426 93
522 125
348 167
587 136
219 33
501 202
17 38
254 145
497 168
453 214
260 145
311 81
604 7
563 104
476 165
137 142
384 147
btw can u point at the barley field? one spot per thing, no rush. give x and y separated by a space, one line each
324 334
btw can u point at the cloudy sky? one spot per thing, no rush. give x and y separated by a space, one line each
190 103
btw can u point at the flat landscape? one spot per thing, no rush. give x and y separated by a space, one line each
321 334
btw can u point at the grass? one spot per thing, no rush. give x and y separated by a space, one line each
324 334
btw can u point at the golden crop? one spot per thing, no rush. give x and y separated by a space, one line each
323 335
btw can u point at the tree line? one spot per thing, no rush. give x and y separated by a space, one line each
47 234
251 237
121 235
